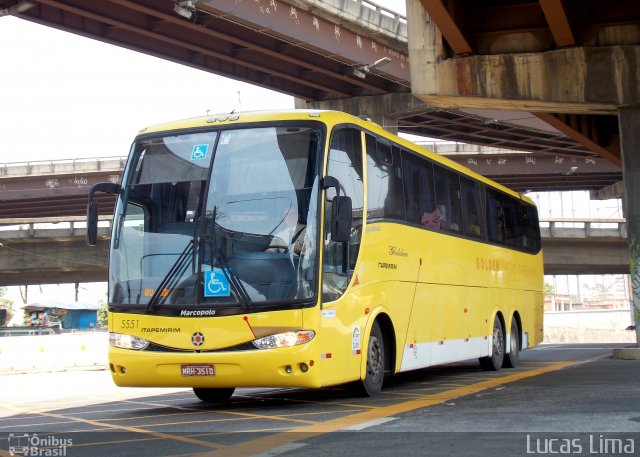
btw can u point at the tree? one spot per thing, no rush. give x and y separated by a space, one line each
6 307
548 289
103 315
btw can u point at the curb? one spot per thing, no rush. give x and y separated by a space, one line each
628 353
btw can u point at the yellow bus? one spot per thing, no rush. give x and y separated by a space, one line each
310 249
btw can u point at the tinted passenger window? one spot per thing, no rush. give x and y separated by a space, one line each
448 206
384 181
512 222
418 184
530 229
472 208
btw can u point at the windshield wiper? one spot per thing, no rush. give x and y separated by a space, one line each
241 291
176 270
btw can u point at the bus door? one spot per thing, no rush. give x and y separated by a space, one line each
339 327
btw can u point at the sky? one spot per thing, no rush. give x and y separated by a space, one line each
66 96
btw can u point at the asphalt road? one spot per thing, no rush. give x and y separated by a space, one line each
562 399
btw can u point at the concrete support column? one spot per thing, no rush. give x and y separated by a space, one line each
629 121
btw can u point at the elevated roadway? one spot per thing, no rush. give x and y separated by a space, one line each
59 188
53 250
55 188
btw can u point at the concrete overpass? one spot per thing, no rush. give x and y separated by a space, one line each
53 250
59 188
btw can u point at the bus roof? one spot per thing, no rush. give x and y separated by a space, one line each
326 116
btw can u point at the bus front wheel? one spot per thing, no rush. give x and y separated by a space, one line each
374 376
213 395
494 361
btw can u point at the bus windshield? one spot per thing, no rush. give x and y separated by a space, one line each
219 219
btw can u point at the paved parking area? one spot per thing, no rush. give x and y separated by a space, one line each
101 419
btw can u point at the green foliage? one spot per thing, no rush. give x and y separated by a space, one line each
548 289
103 315
6 304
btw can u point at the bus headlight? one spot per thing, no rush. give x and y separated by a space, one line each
123 341
284 340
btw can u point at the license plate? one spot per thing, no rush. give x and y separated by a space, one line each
197 370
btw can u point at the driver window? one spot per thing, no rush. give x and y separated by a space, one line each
345 164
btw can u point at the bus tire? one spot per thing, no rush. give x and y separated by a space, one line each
511 358
210 395
372 383
494 361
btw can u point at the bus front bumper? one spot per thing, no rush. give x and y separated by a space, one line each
284 367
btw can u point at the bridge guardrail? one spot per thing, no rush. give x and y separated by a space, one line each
46 167
382 10
61 225
583 227
549 227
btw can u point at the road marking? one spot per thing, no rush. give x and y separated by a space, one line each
281 450
316 402
578 349
371 423
104 425
260 445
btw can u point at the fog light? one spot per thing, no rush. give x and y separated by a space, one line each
288 369
123 370
304 367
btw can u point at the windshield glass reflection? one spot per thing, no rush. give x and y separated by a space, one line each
247 235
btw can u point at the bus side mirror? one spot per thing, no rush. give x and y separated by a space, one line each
92 223
341 218
93 209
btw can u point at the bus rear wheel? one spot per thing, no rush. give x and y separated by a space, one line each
210 395
494 361
374 376
511 358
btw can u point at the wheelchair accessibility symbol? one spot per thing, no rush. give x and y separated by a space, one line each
216 284
199 151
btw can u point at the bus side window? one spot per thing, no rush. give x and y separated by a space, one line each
418 182
472 208
384 181
344 164
530 228
512 222
447 184
495 222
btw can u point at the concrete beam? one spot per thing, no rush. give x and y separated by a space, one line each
613 191
588 256
556 17
448 26
591 80
47 260
575 80
382 109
